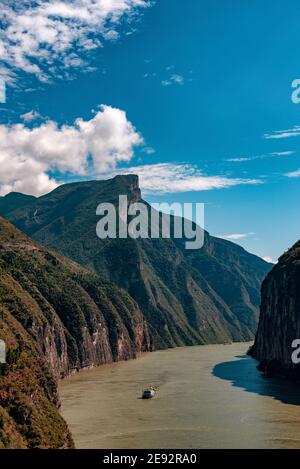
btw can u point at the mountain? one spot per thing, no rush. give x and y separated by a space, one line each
13 201
187 297
279 323
55 318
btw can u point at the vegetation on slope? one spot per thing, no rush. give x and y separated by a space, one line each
55 318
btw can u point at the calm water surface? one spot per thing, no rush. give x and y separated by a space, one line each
209 397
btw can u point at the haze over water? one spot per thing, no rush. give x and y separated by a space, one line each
209 397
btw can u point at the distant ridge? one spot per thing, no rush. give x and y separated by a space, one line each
14 200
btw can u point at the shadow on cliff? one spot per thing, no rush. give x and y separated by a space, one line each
242 373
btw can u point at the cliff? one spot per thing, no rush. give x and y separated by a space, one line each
187 297
55 318
279 323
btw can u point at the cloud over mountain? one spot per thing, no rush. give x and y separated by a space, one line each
29 155
164 178
32 158
237 236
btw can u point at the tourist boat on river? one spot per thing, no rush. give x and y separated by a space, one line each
149 393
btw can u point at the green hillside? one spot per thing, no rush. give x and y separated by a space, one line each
55 318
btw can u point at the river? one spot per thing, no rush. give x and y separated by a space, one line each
209 397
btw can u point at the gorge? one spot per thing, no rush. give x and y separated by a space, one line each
108 300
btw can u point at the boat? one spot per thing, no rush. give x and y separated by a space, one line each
149 393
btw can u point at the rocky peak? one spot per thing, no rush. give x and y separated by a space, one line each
131 186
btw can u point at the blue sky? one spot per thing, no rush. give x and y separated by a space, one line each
206 85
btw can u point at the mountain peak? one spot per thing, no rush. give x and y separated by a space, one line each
132 184
130 178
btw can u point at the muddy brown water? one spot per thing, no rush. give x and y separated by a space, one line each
209 397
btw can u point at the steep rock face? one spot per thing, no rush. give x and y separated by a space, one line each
279 323
55 318
29 402
187 297
234 274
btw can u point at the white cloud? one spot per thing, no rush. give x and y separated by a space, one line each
240 159
243 159
282 153
163 178
30 157
174 79
2 91
150 75
27 155
279 134
45 36
30 116
269 260
293 174
237 236
149 150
